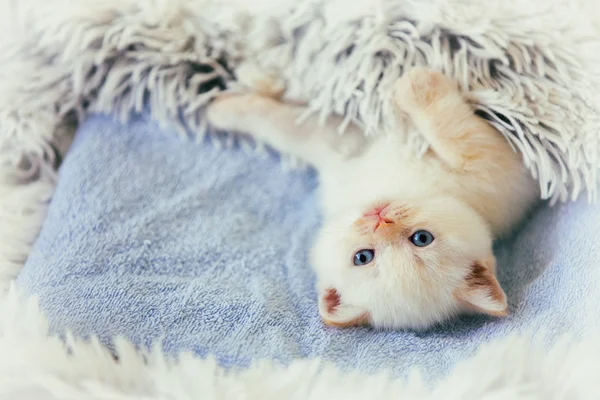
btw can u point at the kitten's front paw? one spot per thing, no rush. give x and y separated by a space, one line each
257 79
224 110
420 87
231 111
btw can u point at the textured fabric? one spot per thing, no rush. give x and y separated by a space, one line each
157 238
532 67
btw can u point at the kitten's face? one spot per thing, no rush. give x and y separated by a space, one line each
406 265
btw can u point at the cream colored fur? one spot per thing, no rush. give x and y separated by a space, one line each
36 365
468 189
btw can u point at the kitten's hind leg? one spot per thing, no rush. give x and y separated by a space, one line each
274 123
461 139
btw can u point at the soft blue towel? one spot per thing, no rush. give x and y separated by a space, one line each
155 237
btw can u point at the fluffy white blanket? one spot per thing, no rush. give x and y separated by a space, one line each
61 59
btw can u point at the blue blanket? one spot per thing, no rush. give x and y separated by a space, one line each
158 238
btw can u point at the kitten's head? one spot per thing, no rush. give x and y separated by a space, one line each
407 264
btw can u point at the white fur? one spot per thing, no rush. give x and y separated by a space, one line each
38 366
60 59
470 188
35 365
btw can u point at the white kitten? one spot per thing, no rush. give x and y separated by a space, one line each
406 242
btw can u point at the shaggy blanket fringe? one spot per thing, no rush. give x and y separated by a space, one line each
532 68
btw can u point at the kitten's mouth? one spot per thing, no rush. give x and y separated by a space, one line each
379 212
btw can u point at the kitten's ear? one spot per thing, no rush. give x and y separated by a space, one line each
482 292
336 313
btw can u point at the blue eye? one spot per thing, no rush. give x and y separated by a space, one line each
421 238
364 257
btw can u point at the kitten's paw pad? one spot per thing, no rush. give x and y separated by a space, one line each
419 87
257 79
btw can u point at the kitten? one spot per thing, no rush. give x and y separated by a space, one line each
406 241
